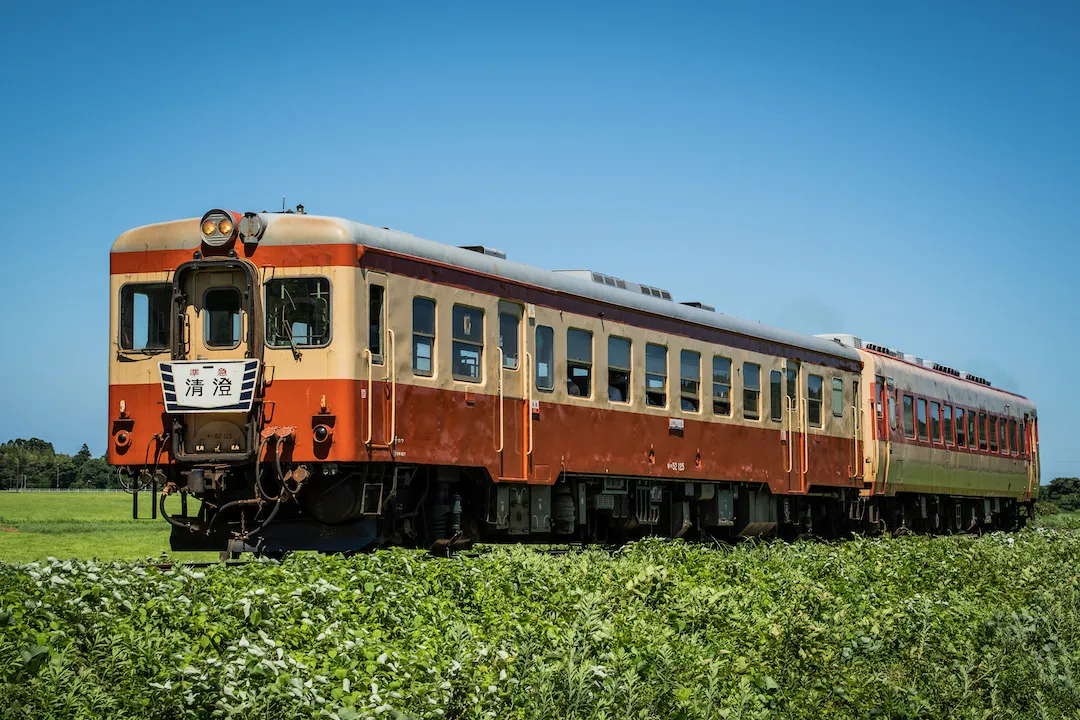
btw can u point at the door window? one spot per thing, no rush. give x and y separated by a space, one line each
508 339
545 358
221 325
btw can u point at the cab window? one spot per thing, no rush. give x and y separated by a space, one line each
298 312
144 316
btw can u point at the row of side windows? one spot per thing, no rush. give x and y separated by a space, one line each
931 421
468 349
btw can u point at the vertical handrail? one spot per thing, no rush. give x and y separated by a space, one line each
370 392
393 387
855 448
501 370
788 410
804 422
528 400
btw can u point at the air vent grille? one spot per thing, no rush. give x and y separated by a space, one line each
945 369
975 379
699 305
655 292
492 252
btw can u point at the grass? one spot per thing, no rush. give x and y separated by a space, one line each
83 526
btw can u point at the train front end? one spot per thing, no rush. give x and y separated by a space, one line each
227 399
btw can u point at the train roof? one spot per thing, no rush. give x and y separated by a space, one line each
301 229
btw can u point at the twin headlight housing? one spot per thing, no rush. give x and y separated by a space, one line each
220 227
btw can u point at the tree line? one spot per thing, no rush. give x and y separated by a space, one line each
1063 492
34 463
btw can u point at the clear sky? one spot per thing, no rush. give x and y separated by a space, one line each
907 171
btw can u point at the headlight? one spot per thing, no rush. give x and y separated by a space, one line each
217 227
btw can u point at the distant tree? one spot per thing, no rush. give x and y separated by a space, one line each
1063 492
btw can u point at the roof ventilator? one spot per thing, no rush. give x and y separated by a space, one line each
492 252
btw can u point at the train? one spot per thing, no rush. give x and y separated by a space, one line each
288 382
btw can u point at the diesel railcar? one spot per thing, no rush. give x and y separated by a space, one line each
300 382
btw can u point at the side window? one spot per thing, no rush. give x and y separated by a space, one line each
545 358
815 385
375 323
508 339
690 381
721 386
145 316
751 391
618 371
1012 436
423 336
655 375
1022 438
1003 439
579 362
776 396
909 416
946 423
221 328
892 411
298 312
972 436
468 343
923 435
982 431
935 422
993 432
961 437
838 397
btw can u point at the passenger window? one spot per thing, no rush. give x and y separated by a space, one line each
690 381
972 436
721 386
993 432
815 385
776 396
982 431
221 328
298 312
508 339
545 358
618 372
935 422
375 323
909 416
579 363
1022 438
892 411
423 338
838 408
1012 436
468 343
145 316
751 391
923 435
655 375
1003 439
961 437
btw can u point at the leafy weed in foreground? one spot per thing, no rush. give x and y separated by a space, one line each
904 628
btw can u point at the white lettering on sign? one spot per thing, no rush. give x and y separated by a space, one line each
676 466
675 424
200 386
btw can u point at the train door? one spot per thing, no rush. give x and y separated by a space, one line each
794 428
512 431
379 394
210 385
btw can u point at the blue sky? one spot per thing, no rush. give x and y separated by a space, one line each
907 172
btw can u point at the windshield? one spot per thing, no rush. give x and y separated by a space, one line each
144 316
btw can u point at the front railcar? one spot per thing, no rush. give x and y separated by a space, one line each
232 381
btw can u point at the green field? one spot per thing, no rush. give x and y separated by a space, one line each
35 526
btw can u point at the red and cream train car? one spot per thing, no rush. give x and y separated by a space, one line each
319 383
